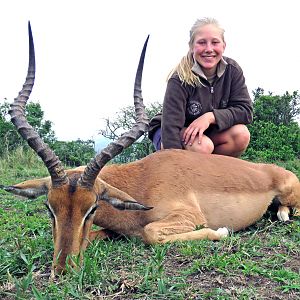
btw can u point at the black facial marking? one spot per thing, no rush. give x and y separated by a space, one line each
73 179
49 210
93 210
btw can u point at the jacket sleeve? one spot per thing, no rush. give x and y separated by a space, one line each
239 108
173 116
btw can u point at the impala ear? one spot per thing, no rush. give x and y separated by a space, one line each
123 204
118 199
30 189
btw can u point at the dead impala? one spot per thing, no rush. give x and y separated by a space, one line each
184 189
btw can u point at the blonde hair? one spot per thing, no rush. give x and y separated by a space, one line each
184 68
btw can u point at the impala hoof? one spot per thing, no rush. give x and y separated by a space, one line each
283 216
223 232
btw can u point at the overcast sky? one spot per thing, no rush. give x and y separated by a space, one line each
87 51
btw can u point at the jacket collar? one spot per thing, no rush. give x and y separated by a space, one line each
220 68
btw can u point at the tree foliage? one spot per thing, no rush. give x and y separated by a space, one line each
276 109
271 142
72 153
123 122
35 117
8 135
10 139
275 132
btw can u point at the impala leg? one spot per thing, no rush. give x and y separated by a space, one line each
102 234
283 213
201 234
97 235
179 228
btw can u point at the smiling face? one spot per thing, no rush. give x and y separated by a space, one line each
208 47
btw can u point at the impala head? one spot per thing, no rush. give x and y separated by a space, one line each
72 209
73 196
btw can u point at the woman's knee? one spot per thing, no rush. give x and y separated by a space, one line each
241 137
206 146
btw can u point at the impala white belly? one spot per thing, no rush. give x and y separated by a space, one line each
235 211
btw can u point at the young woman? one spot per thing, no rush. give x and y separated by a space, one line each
206 104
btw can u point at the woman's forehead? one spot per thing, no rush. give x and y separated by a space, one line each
208 31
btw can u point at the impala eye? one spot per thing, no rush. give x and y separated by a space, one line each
50 213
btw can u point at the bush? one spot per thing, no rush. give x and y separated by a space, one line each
10 139
277 109
74 153
275 135
270 142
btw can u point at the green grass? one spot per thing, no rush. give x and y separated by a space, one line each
261 262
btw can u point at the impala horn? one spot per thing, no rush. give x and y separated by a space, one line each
114 148
17 113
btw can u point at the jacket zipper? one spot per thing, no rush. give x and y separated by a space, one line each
212 96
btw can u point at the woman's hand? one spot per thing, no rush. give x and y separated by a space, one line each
198 126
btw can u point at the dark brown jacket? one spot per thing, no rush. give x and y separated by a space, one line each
227 98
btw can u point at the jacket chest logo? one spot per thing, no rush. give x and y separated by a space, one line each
194 108
224 103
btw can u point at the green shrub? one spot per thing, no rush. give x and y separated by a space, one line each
74 153
270 142
10 139
275 133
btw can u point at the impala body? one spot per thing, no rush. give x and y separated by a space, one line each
161 198
185 189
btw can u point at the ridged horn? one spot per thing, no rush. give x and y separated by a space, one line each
17 113
114 148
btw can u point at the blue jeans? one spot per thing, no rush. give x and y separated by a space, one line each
157 139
